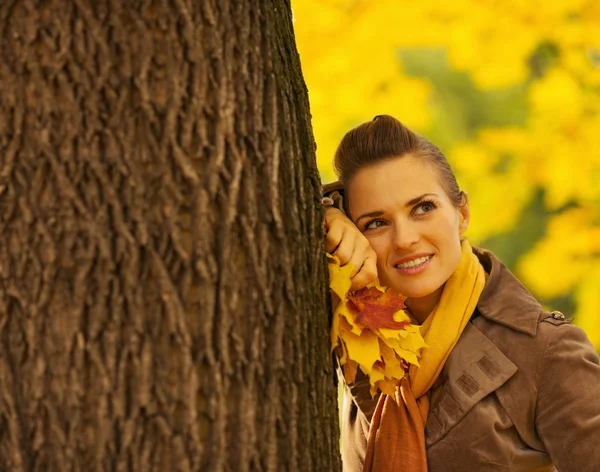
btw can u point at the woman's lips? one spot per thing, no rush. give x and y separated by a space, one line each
414 265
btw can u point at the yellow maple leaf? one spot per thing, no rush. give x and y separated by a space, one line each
339 276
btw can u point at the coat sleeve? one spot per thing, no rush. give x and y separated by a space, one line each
568 400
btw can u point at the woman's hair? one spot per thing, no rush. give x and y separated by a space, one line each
385 138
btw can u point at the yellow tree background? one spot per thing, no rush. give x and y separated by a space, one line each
511 93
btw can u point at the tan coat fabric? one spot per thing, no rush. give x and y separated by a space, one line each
520 391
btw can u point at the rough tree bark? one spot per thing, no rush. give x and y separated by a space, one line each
162 281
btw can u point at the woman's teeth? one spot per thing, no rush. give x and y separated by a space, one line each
413 263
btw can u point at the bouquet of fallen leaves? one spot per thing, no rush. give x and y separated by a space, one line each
371 330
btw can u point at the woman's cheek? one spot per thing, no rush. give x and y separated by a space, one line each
377 246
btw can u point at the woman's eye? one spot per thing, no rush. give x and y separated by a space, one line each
374 224
425 207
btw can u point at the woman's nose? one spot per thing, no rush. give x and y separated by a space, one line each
405 236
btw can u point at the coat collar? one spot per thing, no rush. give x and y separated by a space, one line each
504 299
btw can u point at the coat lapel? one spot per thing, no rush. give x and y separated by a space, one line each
474 369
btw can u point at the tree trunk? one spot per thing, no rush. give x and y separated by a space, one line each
162 280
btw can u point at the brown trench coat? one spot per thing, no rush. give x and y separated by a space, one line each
519 392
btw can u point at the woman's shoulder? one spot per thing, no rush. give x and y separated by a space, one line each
505 301
530 336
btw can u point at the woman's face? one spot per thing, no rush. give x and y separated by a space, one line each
402 209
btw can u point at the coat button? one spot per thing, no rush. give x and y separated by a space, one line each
557 315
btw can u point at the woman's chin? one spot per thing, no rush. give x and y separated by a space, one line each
415 292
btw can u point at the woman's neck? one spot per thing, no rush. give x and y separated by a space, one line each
420 308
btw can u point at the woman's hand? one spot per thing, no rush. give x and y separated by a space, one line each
344 240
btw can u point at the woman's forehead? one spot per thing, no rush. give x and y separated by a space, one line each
400 178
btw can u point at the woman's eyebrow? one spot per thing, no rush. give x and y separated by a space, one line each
421 197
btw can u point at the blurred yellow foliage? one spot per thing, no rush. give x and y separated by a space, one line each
560 261
351 58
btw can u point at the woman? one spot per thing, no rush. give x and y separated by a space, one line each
504 385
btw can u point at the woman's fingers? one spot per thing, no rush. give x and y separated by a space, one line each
336 223
333 238
346 249
357 258
350 246
367 272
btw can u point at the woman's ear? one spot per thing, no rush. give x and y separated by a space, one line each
464 214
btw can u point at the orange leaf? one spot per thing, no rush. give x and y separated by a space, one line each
388 386
375 309
350 370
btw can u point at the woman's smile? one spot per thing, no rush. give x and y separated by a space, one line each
413 265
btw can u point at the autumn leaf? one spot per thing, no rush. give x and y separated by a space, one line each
364 349
375 309
350 371
339 276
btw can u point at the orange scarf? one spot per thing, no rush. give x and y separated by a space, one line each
396 440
